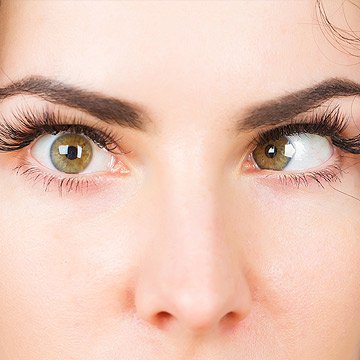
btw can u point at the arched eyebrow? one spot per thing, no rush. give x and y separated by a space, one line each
287 107
127 114
108 109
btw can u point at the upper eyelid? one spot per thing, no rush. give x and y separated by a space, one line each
61 117
287 130
27 123
331 119
332 129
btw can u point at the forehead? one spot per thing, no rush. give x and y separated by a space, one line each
171 53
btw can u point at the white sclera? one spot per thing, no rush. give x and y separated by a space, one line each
101 158
311 151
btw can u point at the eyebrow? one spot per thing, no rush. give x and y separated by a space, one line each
126 114
284 108
108 109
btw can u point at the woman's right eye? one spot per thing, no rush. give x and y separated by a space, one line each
71 153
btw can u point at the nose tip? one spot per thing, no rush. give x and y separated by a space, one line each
194 310
198 315
196 277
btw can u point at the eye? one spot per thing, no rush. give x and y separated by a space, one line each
71 153
296 152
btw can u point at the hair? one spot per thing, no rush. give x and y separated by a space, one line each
345 40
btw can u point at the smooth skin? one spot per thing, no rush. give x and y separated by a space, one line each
187 256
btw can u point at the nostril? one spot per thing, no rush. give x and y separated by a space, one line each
231 316
163 318
164 315
230 321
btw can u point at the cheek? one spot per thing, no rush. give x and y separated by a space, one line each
304 266
61 274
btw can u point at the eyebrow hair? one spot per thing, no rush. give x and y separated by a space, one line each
284 108
126 114
105 108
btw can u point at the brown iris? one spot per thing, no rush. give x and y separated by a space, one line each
71 153
274 155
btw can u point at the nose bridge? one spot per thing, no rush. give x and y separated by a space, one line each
191 185
192 206
194 276
193 215
193 237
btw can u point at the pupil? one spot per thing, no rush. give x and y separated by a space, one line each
72 153
271 151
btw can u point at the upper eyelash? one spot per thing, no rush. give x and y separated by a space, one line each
331 123
31 124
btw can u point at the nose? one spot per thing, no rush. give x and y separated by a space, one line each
192 277
195 300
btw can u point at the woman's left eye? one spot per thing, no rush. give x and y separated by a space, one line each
71 153
296 152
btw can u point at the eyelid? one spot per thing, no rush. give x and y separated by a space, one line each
330 124
25 124
20 130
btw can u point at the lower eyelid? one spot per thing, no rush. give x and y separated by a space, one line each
330 171
292 181
63 184
53 180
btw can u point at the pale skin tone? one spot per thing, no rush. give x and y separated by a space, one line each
188 255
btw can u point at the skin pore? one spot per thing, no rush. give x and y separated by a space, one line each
190 253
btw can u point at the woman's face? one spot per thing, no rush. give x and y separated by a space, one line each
185 245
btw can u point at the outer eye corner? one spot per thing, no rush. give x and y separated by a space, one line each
117 166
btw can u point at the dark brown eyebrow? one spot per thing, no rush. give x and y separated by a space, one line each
287 107
131 115
109 109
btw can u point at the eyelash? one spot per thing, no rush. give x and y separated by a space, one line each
30 125
331 124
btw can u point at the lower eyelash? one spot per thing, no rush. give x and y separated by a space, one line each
332 173
69 184
331 123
